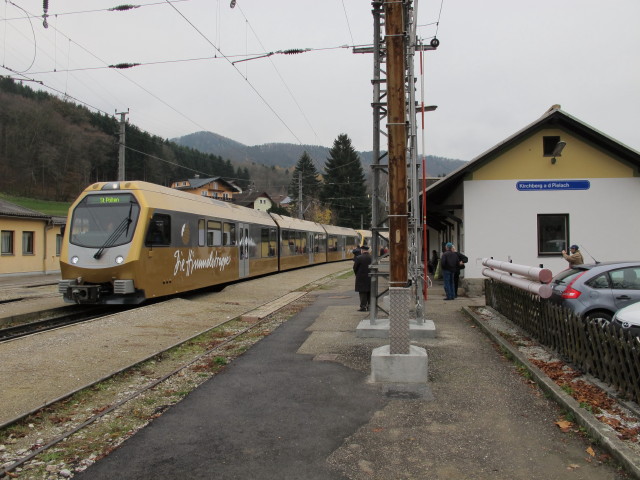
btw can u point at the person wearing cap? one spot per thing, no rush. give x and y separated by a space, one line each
574 257
363 280
449 265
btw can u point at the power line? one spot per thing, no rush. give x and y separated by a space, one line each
231 63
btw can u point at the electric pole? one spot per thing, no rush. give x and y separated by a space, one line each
121 144
300 209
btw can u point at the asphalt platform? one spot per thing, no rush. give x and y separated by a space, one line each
299 405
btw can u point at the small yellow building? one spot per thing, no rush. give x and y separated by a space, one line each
256 200
30 242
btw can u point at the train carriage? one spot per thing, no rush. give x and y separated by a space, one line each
129 241
301 242
364 237
341 242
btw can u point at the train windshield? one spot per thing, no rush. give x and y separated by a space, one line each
104 220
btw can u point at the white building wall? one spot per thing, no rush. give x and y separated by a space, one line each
501 222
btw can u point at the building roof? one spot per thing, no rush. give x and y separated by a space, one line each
555 117
247 198
9 209
201 182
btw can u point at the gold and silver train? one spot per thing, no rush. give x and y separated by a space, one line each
126 242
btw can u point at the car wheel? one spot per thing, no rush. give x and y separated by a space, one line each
600 318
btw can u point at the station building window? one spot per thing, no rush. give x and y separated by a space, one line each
27 243
7 242
549 144
58 244
553 234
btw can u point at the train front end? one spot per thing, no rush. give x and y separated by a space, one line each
99 247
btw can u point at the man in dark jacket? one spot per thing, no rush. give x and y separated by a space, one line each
363 280
449 265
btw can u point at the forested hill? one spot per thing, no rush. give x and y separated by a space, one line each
286 155
52 149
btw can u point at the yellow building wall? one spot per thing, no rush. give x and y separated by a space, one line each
43 259
578 160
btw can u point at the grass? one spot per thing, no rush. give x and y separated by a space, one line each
58 209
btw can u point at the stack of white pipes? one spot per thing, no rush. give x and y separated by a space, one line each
532 279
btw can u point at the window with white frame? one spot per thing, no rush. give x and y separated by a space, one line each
7 242
27 243
58 244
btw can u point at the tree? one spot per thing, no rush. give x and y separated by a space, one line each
344 191
306 171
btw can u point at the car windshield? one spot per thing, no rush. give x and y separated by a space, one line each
567 276
104 220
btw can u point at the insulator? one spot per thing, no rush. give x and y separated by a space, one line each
293 51
124 65
122 8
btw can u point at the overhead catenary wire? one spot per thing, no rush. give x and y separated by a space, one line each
264 100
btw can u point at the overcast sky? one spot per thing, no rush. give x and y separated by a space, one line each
500 65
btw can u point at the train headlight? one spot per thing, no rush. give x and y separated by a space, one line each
119 259
74 260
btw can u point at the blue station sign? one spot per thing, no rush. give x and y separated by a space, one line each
544 185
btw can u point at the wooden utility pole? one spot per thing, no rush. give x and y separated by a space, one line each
397 128
121 143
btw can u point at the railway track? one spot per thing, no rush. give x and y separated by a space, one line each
230 340
26 325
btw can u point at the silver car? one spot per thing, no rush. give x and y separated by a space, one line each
595 292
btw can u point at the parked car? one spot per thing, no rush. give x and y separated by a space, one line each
595 292
628 318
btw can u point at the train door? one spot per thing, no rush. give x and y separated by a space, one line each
244 249
310 246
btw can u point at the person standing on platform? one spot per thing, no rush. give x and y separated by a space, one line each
449 265
462 259
363 280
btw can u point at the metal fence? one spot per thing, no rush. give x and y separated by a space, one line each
607 353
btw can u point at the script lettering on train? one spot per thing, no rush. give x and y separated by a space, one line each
188 264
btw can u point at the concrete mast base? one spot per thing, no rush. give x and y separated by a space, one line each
399 368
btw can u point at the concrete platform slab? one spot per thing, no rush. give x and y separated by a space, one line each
417 331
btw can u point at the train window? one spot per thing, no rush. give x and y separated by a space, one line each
254 239
214 233
159 232
287 244
320 240
333 243
229 237
202 233
268 242
273 242
104 220
301 243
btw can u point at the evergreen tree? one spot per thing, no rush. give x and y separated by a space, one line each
344 190
305 170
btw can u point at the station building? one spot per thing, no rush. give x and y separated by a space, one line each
555 183
31 241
